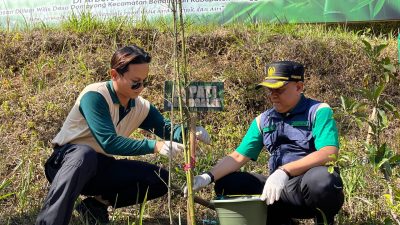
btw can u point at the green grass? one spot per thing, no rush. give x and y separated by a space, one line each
43 69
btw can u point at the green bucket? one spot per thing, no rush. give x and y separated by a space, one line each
244 210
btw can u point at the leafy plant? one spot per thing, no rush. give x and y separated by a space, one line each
393 203
26 183
372 111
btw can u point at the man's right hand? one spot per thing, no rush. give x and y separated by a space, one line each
200 181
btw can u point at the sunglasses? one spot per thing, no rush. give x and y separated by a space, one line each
277 91
136 84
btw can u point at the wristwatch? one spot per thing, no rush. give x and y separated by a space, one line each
284 170
211 175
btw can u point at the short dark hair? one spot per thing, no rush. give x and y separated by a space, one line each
127 55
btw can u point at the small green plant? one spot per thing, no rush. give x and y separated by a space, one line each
4 184
393 203
139 220
372 111
26 183
142 208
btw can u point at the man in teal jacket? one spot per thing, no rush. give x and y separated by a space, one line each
98 127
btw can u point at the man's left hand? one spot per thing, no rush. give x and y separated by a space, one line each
274 186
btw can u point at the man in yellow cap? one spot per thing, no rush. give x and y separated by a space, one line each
301 136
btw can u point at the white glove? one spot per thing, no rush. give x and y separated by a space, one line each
171 148
274 186
202 135
200 181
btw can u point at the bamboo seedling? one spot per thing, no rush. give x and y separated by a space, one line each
181 81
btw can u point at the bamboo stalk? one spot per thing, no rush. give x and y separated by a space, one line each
170 161
181 81
176 77
189 172
192 122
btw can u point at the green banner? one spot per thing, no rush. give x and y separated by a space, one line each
203 96
314 11
27 12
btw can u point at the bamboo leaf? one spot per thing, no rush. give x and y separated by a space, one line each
358 105
373 126
371 152
378 91
378 49
389 106
395 160
368 46
378 7
390 67
344 102
383 118
359 122
367 93
380 154
386 77
381 162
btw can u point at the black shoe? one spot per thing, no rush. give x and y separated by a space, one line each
93 212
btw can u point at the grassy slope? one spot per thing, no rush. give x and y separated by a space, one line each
43 70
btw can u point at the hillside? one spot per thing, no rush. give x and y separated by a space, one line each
42 70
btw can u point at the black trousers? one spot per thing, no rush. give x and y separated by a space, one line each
301 198
78 169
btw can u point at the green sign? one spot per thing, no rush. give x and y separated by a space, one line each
203 96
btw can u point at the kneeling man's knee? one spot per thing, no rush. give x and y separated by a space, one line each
323 189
